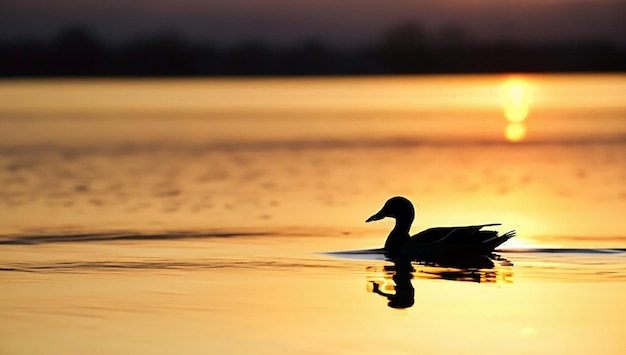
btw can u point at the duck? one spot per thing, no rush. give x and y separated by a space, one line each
462 241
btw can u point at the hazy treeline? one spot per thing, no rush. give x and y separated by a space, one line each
405 48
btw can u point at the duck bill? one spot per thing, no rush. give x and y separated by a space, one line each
376 217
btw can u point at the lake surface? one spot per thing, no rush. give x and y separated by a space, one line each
227 215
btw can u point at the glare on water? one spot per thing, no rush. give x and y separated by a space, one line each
516 97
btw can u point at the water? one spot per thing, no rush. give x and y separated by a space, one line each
227 216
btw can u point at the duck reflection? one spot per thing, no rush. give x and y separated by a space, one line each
395 282
397 279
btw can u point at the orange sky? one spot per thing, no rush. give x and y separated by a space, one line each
349 21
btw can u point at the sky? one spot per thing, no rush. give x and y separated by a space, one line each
340 22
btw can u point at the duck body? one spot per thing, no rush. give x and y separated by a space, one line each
435 242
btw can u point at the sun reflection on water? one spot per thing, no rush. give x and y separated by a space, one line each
515 131
516 100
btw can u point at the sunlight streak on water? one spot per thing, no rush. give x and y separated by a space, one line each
517 98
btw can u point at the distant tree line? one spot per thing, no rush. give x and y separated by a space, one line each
404 49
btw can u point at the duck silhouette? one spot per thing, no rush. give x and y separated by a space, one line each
438 242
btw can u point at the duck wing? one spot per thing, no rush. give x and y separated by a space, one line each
449 234
461 239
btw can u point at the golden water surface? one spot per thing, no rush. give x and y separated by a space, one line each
200 216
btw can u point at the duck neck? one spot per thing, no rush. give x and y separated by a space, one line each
400 233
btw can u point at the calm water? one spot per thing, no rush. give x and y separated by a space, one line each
205 216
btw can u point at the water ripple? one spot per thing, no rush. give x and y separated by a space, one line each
119 236
566 250
200 264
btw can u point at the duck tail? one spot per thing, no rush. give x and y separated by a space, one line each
494 242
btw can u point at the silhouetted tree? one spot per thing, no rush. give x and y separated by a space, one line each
28 58
250 58
162 54
76 51
405 49
311 57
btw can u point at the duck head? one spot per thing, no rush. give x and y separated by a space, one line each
396 207
402 211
